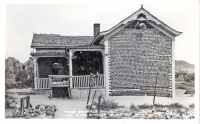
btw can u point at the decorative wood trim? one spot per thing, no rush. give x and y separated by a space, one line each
173 68
106 69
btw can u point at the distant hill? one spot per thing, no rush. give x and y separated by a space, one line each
14 66
181 65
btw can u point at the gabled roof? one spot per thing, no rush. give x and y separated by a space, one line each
140 14
56 40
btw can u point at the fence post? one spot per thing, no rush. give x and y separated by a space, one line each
155 89
27 98
99 106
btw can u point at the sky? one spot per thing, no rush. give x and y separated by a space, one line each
22 20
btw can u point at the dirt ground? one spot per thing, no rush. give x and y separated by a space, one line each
76 108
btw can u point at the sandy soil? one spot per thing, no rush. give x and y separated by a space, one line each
76 108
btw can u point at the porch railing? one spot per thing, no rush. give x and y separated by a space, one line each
77 82
42 83
83 81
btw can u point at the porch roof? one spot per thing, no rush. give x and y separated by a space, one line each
56 40
87 47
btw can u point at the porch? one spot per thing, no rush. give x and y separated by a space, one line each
73 75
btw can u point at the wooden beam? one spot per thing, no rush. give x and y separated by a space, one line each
35 72
70 72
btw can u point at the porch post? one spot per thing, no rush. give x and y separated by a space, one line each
106 68
37 68
173 68
35 72
70 71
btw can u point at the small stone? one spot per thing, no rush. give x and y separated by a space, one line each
42 107
167 116
27 117
37 106
10 101
191 117
13 105
37 111
133 113
48 108
50 113
32 114
43 115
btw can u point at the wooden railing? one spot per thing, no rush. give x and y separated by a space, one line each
42 83
77 81
84 80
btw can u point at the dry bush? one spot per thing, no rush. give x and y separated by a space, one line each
192 105
190 91
145 106
175 106
134 107
108 104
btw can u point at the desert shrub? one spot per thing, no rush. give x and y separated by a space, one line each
134 107
190 84
160 105
192 105
108 104
145 106
181 86
175 105
190 91
189 77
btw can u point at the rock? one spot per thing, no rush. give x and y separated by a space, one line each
37 106
12 96
43 115
37 111
31 110
191 117
13 105
26 110
42 108
10 100
50 113
53 108
160 110
17 105
167 116
133 113
32 114
151 116
48 108
50 117
27 117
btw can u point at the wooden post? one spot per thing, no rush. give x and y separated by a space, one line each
27 98
173 68
155 89
22 106
27 101
88 95
99 105
106 68
93 99
70 72
35 72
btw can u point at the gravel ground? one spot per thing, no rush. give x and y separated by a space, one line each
76 108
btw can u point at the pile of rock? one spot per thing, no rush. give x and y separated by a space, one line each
154 113
40 111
